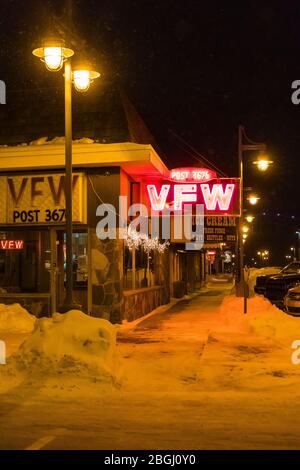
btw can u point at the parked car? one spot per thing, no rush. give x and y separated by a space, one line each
276 286
261 281
292 301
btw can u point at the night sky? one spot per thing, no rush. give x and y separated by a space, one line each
194 70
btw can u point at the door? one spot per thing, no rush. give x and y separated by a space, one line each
80 268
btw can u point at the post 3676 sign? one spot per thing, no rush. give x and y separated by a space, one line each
40 199
219 196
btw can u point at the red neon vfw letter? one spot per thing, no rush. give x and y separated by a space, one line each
158 202
182 193
217 196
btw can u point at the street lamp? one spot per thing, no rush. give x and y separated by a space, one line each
245 144
293 249
83 78
54 54
249 218
260 256
298 244
263 162
253 199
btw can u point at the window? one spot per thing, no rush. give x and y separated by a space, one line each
138 268
24 269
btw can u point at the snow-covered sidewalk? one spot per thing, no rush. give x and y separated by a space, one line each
199 375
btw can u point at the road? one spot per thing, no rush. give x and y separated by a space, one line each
161 400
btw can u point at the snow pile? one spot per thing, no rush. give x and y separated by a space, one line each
262 317
71 343
15 319
59 140
254 272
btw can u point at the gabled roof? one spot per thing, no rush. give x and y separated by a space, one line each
100 114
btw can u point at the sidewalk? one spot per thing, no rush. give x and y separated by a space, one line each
169 344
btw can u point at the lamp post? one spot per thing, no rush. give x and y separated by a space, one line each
262 164
298 244
293 250
55 55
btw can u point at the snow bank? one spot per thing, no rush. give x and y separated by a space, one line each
262 318
72 343
15 319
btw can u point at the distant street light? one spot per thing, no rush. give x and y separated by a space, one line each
253 199
249 218
293 249
298 244
263 256
54 54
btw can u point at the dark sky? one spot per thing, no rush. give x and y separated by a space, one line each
195 69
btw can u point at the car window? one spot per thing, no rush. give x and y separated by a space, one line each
291 268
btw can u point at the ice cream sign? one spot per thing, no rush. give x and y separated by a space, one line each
195 186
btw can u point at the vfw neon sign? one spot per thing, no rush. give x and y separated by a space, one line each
217 195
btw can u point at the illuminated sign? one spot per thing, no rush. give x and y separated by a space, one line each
220 229
191 174
40 199
11 244
218 196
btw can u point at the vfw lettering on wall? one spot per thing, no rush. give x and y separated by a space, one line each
40 199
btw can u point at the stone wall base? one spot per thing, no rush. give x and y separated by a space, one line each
139 302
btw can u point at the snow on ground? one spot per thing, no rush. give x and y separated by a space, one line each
71 344
200 375
262 318
14 319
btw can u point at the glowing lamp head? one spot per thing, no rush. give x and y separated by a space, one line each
53 53
253 199
263 163
249 218
83 78
245 236
245 229
53 57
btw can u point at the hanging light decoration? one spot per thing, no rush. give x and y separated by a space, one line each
138 240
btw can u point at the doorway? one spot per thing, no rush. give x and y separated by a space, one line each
58 268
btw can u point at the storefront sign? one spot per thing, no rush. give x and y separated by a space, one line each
40 199
220 229
11 244
218 196
192 174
